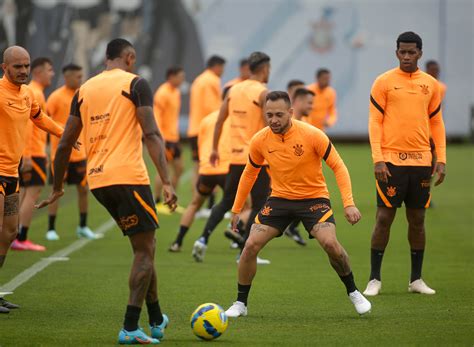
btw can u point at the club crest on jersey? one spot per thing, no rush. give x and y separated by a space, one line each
424 89
266 211
391 191
298 150
27 101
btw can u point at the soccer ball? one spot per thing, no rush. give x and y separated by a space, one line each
209 321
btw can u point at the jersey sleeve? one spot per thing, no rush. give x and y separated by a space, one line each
140 92
378 101
437 129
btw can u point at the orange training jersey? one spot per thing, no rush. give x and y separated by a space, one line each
246 119
166 106
107 106
58 108
205 137
205 97
404 109
17 107
36 138
324 111
295 165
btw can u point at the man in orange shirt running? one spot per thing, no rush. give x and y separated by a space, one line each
17 108
405 108
324 112
33 170
294 152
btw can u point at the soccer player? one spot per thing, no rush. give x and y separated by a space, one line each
324 112
17 108
432 68
166 106
405 107
244 74
33 167
243 105
58 107
205 97
292 86
115 110
294 152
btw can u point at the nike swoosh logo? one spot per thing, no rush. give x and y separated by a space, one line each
324 211
397 88
272 151
10 103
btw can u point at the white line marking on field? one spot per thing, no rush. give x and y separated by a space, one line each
60 255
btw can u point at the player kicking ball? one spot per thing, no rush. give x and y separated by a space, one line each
294 152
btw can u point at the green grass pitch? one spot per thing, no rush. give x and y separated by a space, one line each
297 300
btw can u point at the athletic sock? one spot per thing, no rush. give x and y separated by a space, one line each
416 264
348 281
205 236
154 313
23 234
182 232
83 220
52 222
376 257
243 292
132 315
211 201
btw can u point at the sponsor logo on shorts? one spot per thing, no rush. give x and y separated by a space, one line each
266 211
424 89
391 191
411 155
96 170
298 150
425 183
317 207
127 222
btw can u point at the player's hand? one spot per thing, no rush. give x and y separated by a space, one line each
214 158
234 221
381 172
55 195
440 169
26 165
352 214
77 146
170 196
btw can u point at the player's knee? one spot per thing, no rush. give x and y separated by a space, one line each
384 221
331 246
416 221
251 248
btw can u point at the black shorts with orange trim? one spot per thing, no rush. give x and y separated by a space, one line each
75 173
279 213
206 183
131 206
36 176
9 185
173 150
408 184
193 141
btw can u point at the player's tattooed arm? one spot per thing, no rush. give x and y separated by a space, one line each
11 205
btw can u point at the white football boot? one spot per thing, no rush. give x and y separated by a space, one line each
419 286
199 250
373 288
236 310
361 304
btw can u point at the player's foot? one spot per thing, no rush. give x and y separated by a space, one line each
174 248
373 287
158 331
296 236
419 286
4 310
18 245
27 245
361 304
234 236
87 233
136 337
260 261
8 305
199 250
52 235
162 208
236 310
203 213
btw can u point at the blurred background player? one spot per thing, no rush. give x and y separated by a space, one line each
58 107
324 114
292 86
432 68
243 105
294 152
167 106
33 170
18 108
244 73
404 98
119 180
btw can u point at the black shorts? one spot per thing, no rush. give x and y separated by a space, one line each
193 141
279 213
9 185
206 183
75 173
36 176
409 184
131 206
173 150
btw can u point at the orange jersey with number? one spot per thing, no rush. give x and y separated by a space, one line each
36 138
17 107
404 109
205 97
246 118
166 106
205 138
324 112
58 107
295 165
